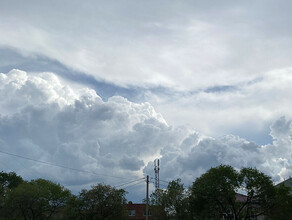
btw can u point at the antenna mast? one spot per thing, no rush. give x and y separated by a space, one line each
156 170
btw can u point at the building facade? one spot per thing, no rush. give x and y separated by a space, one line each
137 211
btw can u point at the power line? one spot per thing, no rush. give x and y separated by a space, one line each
61 166
142 180
129 182
159 184
133 184
160 180
164 181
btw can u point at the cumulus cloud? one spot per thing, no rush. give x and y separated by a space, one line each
44 118
217 68
131 163
226 64
198 153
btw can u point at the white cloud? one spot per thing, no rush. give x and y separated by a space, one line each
219 68
198 153
42 118
185 44
245 109
45 119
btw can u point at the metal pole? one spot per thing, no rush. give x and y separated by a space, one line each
147 197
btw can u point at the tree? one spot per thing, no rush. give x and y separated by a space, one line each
170 203
54 196
100 202
259 190
158 200
38 199
282 209
214 193
8 181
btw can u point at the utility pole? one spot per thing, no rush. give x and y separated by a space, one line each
147 197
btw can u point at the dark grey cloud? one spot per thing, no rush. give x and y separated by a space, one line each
281 128
220 89
131 163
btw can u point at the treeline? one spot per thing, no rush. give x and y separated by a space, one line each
43 199
224 193
220 193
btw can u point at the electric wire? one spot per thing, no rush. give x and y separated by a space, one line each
126 185
122 184
133 184
160 180
61 166
164 181
159 184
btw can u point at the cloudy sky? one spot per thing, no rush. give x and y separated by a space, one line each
108 86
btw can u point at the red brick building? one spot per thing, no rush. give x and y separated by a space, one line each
137 211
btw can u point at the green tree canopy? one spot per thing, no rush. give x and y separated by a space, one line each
170 203
214 193
8 181
282 209
100 202
38 199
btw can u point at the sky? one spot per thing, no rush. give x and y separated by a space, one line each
102 88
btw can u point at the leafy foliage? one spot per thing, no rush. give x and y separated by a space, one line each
8 181
38 199
259 190
170 203
214 193
211 196
100 202
282 209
